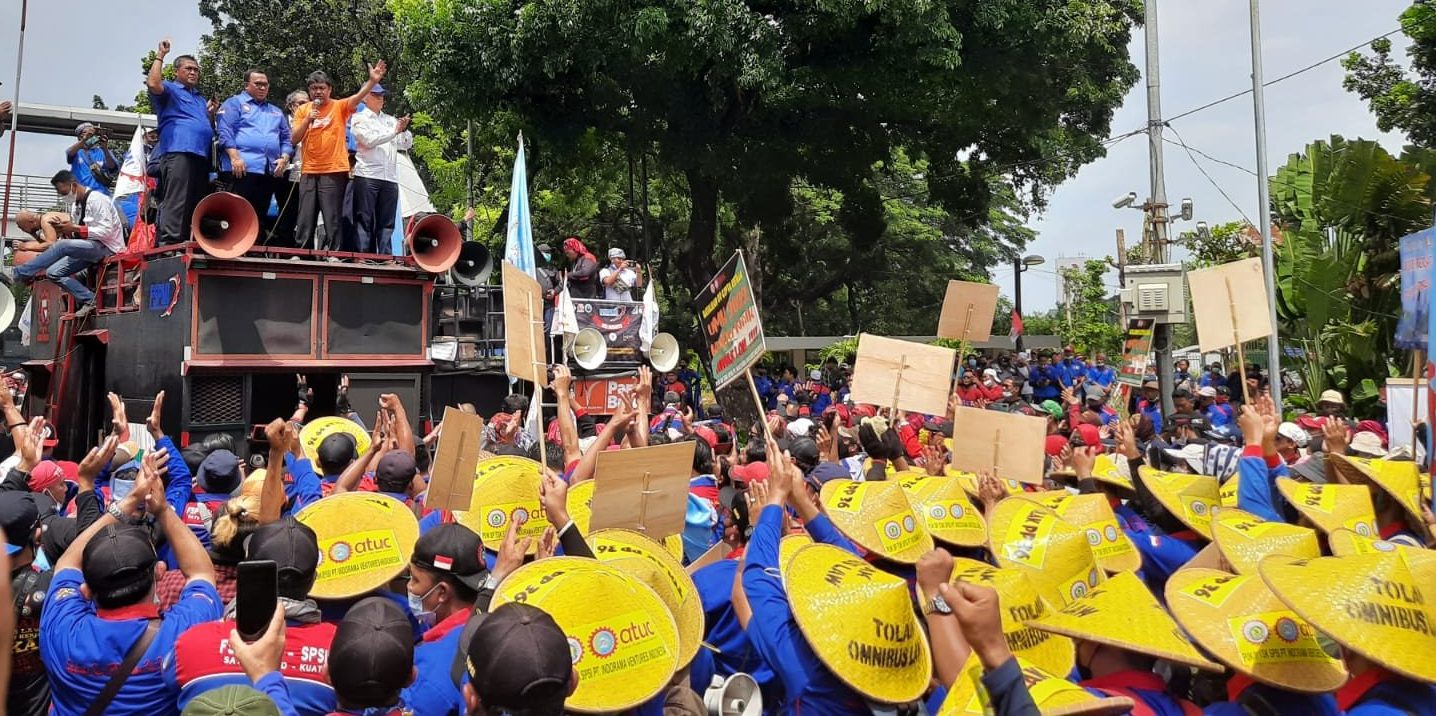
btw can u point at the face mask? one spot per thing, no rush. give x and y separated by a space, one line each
971 363
42 560
546 256
989 382
416 607
1007 393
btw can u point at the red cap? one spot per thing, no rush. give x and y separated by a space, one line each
1310 422
1054 445
707 435
750 473
1090 435
45 475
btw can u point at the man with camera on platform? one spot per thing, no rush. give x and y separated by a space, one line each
91 160
620 277
255 146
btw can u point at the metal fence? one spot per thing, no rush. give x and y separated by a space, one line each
29 192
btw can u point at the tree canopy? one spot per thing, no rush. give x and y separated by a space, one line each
1402 100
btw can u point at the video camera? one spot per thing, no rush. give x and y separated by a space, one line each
100 134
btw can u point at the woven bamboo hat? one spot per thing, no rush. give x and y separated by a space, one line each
1244 539
1237 619
1051 551
1190 498
877 516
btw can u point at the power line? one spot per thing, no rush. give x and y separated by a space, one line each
1183 144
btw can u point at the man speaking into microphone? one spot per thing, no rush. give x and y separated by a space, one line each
320 126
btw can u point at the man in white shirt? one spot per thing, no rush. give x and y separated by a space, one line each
93 231
619 277
379 137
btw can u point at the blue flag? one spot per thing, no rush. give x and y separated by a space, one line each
519 240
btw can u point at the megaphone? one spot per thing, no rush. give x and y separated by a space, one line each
473 265
737 695
663 354
590 349
7 304
435 243
224 225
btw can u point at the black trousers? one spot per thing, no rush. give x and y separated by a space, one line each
185 181
375 203
259 190
321 194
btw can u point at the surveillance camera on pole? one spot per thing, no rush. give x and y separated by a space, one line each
1187 209
1123 202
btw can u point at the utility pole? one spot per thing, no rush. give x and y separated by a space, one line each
1122 276
1156 206
1017 270
1273 347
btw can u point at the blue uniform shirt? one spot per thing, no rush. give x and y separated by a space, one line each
1046 384
1162 553
433 690
81 646
808 685
259 130
732 651
1101 375
80 167
183 120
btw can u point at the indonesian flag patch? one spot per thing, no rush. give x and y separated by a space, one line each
444 563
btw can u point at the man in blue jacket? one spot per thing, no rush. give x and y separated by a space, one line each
255 146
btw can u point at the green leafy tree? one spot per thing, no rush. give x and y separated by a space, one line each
1343 206
1088 313
1403 99
741 102
1223 243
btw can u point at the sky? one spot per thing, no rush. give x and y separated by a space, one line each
1205 55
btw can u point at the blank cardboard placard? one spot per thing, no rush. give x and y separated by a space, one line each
912 376
451 480
1230 304
643 489
714 555
524 341
967 311
1007 445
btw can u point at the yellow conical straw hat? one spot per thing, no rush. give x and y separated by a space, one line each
1053 695
622 638
498 462
1346 542
1122 613
1190 498
789 545
877 516
1401 479
1374 604
1227 492
968 480
1332 506
580 510
365 540
1113 470
503 493
860 622
1052 552
315 431
1238 620
1020 602
946 510
1093 513
650 561
1244 539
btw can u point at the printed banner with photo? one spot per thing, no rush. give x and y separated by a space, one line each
1415 290
731 321
620 322
1136 351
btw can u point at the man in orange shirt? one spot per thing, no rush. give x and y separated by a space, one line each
321 125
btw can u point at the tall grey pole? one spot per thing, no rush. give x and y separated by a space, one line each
1157 204
1263 217
1017 269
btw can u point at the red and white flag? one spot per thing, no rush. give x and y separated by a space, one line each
1016 325
444 563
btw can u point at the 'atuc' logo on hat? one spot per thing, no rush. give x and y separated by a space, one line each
1287 629
908 524
521 515
1111 533
575 650
603 642
339 551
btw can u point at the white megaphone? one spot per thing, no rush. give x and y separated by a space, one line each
737 695
7 304
663 354
590 349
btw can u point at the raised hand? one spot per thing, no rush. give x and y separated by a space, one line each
511 552
1333 436
96 460
562 379
979 612
548 544
933 568
119 423
152 423
989 489
377 70
1083 460
932 456
553 495
163 49
31 446
264 655
1127 441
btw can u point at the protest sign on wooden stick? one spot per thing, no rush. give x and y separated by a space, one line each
967 311
903 374
1009 446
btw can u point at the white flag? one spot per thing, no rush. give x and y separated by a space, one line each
132 172
566 322
649 329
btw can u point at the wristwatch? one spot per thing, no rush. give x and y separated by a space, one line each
123 518
936 605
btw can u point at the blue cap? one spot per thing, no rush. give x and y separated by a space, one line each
219 473
378 89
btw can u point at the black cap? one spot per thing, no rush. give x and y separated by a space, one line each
118 556
219 473
372 654
18 515
1312 469
337 449
452 549
56 536
519 658
396 468
293 548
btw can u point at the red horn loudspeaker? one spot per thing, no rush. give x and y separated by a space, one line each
224 225
435 243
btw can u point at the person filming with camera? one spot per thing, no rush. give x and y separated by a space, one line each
620 277
91 160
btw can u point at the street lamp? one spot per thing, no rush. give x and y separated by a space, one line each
1019 266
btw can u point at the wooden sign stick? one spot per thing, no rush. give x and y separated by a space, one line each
897 384
533 349
1418 361
996 447
1241 354
643 503
758 402
967 324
